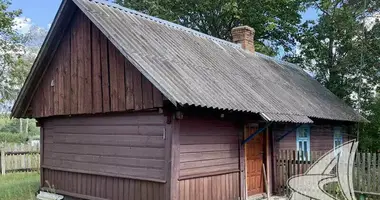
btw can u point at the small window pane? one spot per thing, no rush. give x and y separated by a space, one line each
338 142
338 138
305 146
303 133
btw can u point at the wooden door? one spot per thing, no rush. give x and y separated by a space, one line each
254 159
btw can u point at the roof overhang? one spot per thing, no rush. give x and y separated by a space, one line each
275 117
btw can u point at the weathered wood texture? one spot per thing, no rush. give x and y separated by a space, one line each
19 157
208 146
220 187
87 186
89 75
321 137
129 146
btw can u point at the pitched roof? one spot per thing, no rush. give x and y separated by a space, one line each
191 68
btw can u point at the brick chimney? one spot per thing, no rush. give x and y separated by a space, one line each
244 35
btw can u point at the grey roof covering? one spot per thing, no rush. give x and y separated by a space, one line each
272 117
191 68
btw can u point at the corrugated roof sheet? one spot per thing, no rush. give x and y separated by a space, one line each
270 117
191 68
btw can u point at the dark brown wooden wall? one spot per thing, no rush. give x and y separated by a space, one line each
208 146
219 187
127 146
88 74
87 186
321 137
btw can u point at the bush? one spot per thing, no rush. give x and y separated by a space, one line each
13 138
8 125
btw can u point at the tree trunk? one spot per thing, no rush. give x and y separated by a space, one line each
27 127
20 125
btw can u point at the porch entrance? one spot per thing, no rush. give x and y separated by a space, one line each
254 159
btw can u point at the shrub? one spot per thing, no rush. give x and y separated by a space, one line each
13 137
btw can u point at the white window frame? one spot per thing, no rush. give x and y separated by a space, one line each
304 140
337 129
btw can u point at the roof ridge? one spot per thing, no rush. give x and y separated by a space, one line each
188 30
167 23
279 61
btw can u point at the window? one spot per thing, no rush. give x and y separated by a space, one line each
338 138
303 141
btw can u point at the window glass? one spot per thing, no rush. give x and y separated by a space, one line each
303 141
338 137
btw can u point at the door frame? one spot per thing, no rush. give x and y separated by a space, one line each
267 159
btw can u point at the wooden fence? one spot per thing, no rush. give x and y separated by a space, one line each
19 157
366 171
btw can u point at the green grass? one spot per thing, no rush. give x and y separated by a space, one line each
19 186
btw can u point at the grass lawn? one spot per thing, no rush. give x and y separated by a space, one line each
19 186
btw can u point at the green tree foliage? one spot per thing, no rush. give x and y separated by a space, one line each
342 49
10 49
275 21
331 48
370 132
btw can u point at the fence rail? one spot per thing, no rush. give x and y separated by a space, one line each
366 171
19 157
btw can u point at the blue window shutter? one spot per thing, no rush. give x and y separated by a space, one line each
303 141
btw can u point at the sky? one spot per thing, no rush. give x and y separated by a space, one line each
42 12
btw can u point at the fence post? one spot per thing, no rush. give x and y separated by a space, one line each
2 158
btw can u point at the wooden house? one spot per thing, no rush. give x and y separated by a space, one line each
137 108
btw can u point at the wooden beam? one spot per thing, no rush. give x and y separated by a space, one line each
243 191
172 189
268 160
72 194
42 178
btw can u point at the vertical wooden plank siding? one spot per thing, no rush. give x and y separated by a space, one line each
111 188
105 73
137 89
89 75
73 64
80 56
219 187
129 99
66 74
97 104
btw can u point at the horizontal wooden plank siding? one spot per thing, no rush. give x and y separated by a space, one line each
219 187
207 146
129 145
88 186
321 137
88 75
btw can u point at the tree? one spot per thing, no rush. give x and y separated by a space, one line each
10 50
275 21
370 132
332 48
